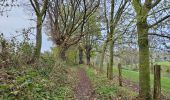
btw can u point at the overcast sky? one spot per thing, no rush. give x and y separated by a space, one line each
18 19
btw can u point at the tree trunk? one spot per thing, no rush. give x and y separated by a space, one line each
107 70
157 82
120 74
37 49
80 55
88 59
102 56
111 61
4 50
88 55
144 70
111 40
62 54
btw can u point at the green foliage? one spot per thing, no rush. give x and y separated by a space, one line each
31 84
106 88
25 84
71 56
102 85
43 81
166 64
16 52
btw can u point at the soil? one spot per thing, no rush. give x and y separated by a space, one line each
84 89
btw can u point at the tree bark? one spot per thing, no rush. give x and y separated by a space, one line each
88 58
107 70
4 50
62 54
102 56
37 50
120 74
105 43
80 55
88 54
40 10
111 40
157 82
144 70
111 61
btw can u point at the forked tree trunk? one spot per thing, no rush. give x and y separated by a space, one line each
40 10
157 82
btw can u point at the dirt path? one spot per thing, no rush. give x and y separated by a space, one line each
84 90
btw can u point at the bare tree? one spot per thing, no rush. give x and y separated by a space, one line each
67 19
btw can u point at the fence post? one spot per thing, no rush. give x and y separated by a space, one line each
157 82
120 74
107 70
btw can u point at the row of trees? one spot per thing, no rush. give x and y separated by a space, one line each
95 24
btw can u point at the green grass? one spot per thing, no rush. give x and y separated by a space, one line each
134 76
106 88
101 84
164 63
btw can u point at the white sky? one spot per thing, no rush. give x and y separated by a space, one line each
18 19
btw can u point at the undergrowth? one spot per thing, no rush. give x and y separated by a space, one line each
36 83
108 89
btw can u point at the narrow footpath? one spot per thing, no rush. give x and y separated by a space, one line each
84 89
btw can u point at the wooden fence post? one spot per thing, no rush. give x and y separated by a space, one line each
120 74
157 82
107 70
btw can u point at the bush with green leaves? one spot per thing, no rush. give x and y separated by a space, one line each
16 52
33 84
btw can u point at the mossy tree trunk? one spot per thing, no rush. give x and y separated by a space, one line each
113 23
144 70
40 10
38 44
106 42
110 72
142 11
102 56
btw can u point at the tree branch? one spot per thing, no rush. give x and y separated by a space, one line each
155 3
160 35
35 9
45 6
159 21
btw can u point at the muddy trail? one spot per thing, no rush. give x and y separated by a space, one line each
84 89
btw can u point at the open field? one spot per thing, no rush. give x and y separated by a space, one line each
165 64
134 76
